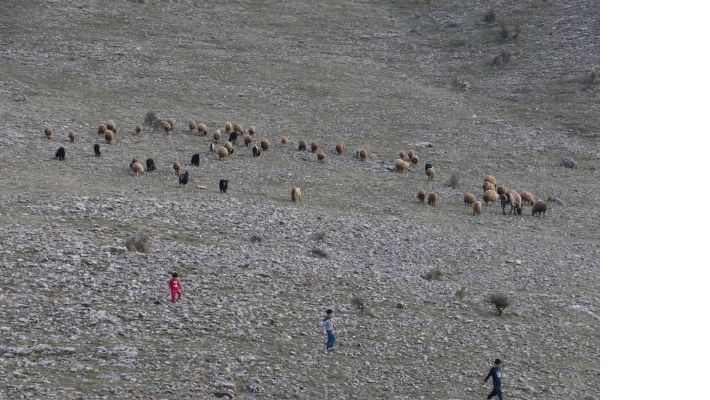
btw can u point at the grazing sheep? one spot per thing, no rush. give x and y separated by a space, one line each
212 147
192 125
176 167
255 151
237 128
228 127
430 173
340 148
402 154
233 136
166 126
539 207
477 208
432 199
301 145
265 144
48 132
247 140
512 199
501 189
60 154
108 136
171 122
284 140
133 161
401 165
139 130
490 196
491 179
296 194
97 150
488 186
469 198
150 165
195 160
251 131
137 168
183 178
72 136
421 196
110 125
427 166
102 129
528 198
223 152
223 183
415 159
228 145
321 156
217 136
314 147
202 129
362 153
411 154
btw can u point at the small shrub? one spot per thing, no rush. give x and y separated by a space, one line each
316 252
359 303
319 236
138 243
459 294
256 238
508 31
490 16
502 59
434 275
500 301
151 120
455 181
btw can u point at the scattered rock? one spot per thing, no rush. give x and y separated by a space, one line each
568 162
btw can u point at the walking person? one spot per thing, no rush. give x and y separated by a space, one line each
175 286
496 375
328 325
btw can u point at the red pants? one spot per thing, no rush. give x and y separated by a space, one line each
174 293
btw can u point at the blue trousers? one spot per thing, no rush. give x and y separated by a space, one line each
496 391
330 344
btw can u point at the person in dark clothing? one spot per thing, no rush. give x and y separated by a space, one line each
496 374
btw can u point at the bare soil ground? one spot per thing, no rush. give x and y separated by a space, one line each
83 317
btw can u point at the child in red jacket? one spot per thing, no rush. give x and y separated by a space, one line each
174 285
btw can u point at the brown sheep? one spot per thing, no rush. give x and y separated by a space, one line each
469 198
111 125
237 128
512 199
539 207
411 154
72 136
430 173
402 154
340 148
176 167
528 198
202 129
296 194
301 145
223 152
251 131
217 136
415 159
108 136
490 196
401 165
130 165
166 126
432 199
477 208
229 146
247 140
192 125
488 186
491 179
501 189
284 140
421 196
228 128
102 129
362 153
314 147
171 122
137 168
321 156
48 132
139 130
212 147
265 144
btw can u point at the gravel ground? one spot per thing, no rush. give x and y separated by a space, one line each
82 316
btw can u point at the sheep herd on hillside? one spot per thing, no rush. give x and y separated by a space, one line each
492 192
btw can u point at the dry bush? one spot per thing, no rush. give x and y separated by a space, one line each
455 181
319 236
138 243
502 59
460 293
256 238
316 252
500 301
490 16
434 275
507 30
359 303
151 120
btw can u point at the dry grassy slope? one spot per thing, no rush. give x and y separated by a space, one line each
374 74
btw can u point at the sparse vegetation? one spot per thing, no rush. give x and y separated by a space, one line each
500 302
320 253
434 275
490 16
152 120
359 303
502 59
256 238
455 181
508 30
139 243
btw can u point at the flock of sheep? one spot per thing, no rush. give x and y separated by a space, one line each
492 192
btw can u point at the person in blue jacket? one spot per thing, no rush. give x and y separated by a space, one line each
496 375
329 329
